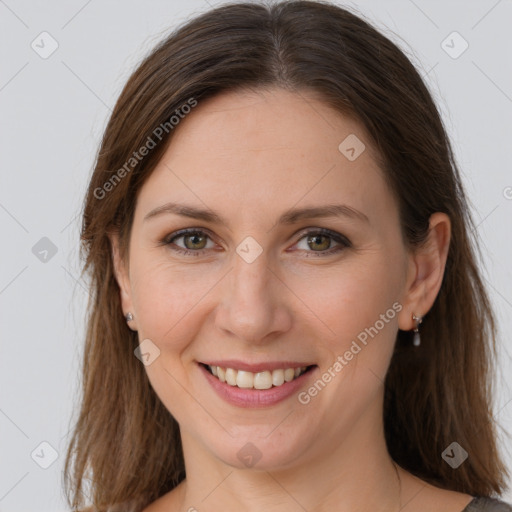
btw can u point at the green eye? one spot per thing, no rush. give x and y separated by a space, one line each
321 242
194 241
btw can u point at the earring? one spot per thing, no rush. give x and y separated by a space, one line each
416 339
129 317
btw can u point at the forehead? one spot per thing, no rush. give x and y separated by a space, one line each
259 151
261 121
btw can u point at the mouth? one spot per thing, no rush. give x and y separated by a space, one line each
260 380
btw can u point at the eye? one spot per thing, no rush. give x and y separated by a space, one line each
194 241
321 241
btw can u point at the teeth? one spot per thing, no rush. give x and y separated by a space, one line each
260 380
244 379
231 376
289 374
278 377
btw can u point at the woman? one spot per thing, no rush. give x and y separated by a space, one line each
287 312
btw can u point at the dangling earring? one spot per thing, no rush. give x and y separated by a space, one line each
129 317
416 339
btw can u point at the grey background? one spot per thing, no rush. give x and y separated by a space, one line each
54 111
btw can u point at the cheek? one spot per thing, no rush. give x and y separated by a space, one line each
167 301
359 304
350 298
166 297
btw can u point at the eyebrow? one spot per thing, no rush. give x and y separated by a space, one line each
291 216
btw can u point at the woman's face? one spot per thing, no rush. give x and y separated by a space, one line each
268 280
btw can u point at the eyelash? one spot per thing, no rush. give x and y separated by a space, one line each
343 241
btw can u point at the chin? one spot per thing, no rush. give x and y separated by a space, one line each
265 448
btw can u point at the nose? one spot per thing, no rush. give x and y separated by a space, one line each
255 305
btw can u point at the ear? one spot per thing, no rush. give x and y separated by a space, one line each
123 280
425 271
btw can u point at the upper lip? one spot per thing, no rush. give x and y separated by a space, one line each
256 367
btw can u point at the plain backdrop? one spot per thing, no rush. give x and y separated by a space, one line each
54 108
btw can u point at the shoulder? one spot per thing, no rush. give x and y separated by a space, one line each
481 504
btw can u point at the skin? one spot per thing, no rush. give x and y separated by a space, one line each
251 155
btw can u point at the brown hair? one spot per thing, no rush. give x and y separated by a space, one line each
125 441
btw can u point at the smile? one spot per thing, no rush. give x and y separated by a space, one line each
255 385
258 380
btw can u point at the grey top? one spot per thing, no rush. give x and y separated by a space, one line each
487 505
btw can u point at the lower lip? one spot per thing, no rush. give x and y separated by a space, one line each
254 398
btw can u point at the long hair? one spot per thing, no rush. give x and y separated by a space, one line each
125 446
